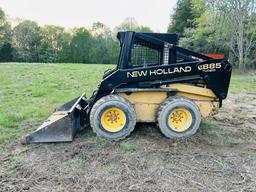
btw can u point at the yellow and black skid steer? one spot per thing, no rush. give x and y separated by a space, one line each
155 81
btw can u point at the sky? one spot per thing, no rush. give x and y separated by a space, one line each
71 13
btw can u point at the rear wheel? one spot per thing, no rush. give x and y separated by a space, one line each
113 117
178 117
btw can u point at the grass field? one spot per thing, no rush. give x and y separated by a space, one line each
30 92
220 157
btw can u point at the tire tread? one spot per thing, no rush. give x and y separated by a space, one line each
165 103
107 99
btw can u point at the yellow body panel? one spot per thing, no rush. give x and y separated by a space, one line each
208 108
147 103
146 112
145 97
191 89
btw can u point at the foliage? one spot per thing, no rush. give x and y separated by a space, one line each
6 48
242 22
130 24
53 41
29 42
2 26
81 45
182 17
26 41
106 46
218 27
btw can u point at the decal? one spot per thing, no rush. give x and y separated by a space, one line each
158 72
209 67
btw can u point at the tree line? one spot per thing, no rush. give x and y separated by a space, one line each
29 42
206 26
218 26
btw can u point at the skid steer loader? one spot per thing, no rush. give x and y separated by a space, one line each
155 81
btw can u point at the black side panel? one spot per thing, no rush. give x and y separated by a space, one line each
217 80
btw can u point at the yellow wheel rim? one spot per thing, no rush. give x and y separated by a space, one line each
180 119
113 119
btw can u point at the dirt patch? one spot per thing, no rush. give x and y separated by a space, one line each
220 157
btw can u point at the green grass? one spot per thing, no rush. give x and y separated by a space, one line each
29 93
248 154
127 147
246 82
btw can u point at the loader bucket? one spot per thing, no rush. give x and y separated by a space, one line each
62 125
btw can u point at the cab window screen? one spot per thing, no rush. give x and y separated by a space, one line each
145 54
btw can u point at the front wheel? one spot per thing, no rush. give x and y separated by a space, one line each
113 117
178 117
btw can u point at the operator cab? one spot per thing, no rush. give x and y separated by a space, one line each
140 50
147 49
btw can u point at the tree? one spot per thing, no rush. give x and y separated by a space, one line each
26 41
81 46
130 24
65 55
6 52
100 30
6 49
241 18
54 42
105 49
226 26
182 17
2 27
233 28
207 34
142 28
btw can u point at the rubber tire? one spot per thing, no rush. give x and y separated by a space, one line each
167 106
112 101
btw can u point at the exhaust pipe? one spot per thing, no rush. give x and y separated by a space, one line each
62 125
